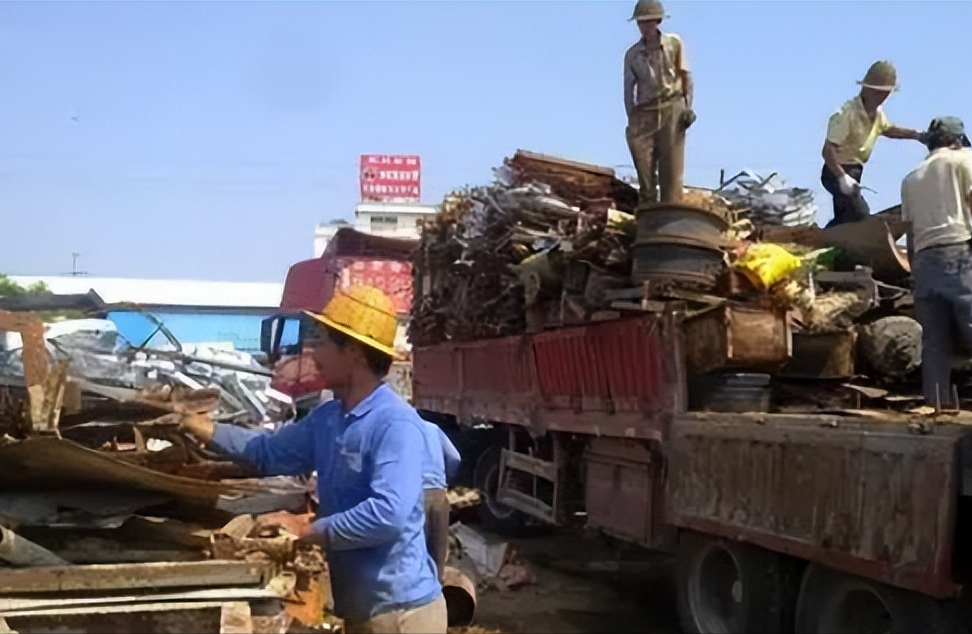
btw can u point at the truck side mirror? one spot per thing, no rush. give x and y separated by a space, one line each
270 338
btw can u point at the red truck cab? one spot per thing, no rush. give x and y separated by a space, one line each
351 257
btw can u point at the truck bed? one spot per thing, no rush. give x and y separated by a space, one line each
876 494
876 498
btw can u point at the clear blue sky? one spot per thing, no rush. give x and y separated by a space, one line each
207 139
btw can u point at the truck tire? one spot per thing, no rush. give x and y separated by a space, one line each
726 587
496 517
832 602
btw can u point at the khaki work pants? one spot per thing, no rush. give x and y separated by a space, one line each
656 139
437 527
428 619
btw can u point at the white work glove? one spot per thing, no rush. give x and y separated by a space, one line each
848 186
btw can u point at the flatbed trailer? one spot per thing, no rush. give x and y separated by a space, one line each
808 522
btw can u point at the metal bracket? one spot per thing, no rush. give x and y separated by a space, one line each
527 502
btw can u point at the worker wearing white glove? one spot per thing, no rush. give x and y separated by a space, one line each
852 132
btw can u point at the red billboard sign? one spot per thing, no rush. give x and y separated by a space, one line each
388 177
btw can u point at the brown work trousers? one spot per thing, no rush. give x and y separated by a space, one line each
437 527
656 139
428 619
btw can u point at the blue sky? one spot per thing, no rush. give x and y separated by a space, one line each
206 140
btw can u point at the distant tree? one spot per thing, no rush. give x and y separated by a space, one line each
10 288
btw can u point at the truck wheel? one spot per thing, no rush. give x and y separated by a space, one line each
831 602
497 517
726 587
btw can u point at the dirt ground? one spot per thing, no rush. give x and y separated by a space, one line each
582 588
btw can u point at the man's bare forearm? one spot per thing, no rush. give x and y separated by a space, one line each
894 132
830 159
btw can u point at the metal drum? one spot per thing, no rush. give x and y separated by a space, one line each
683 263
682 222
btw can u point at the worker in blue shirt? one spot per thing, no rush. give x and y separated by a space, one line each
369 448
443 462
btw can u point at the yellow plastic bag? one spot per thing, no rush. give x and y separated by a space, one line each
766 264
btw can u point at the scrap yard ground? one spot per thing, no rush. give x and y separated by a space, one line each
583 587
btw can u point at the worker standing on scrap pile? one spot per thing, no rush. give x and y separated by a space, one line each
443 462
936 198
369 449
658 95
851 134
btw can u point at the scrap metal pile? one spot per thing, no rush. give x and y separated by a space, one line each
497 258
109 368
759 288
108 510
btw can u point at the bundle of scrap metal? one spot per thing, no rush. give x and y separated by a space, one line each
110 370
111 519
493 252
769 200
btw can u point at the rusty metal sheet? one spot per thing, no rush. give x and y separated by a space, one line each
154 575
866 497
152 618
49 463
43 377
37 361
870 243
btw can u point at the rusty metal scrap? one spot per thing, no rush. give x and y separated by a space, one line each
493 251
230 384
43 376
95 469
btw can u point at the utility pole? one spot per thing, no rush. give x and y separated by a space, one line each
74 265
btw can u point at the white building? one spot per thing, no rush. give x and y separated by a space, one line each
225 314
395 220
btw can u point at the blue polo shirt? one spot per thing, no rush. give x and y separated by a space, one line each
443 458
370 464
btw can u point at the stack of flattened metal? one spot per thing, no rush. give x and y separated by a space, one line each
679 244
769 200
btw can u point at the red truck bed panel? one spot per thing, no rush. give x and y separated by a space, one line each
610 367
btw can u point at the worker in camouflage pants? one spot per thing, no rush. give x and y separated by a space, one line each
658 101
